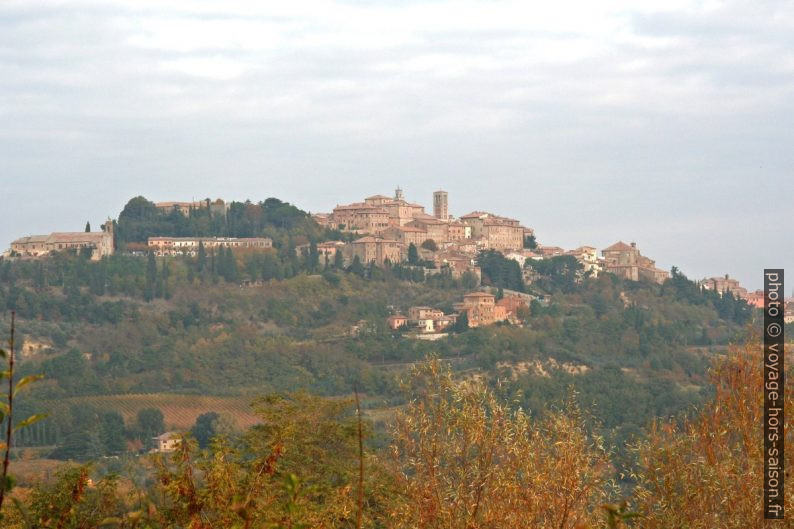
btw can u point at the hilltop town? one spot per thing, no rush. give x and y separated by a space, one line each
390 230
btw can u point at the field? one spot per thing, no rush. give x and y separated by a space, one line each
180 411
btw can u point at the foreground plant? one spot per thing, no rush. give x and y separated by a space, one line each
7 410
707 471
465 460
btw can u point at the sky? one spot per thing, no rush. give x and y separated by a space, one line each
665 122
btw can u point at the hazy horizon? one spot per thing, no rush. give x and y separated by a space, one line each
664 123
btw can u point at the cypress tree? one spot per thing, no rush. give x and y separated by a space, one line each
202 257
413 254
339 259
151 278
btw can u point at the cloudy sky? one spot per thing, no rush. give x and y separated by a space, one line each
664 122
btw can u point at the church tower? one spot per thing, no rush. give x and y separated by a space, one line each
440 205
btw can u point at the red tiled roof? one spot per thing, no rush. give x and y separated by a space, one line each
619 246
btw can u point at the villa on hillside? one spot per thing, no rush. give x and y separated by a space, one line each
724 284
100 243
627 262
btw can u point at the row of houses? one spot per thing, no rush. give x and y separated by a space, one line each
395 219
190 245
480 309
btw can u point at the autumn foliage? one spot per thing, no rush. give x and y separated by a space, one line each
458 457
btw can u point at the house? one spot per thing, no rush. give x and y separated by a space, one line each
497 233
550 251
481 309
587 256
627 262
434 229
424 320
377 250
458 263
99 243
325 250
396 321
167 442
406 235
512 305
756 299
457 231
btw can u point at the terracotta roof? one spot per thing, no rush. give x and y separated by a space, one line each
370 238
619 246
362 206
429 219
476 215
378 196
31 239
76 236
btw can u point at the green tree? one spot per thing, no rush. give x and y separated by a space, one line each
314 257
356 267
413 254
339 259
150 423
201 261
149 288
112 433
87 227
204 428
430 244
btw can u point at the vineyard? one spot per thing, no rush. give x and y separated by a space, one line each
180 411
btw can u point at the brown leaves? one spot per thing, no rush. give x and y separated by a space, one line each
463 459
707 471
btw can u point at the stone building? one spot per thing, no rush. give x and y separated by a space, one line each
627 262
376 250
588 258
435 229
457 231
458 263
100 243
374 215
407 235
190 245
216 207
497 233
725 284
481 309
360 218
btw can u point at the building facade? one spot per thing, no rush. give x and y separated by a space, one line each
725 284
377 250
627 262
441 205
100 243
190 245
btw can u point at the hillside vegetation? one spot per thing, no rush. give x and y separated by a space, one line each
245 324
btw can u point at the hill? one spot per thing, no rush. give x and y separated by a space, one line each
276 321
